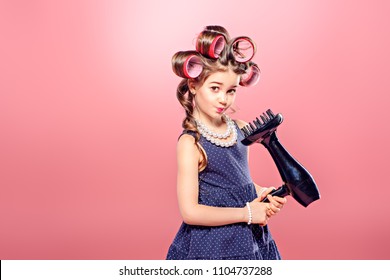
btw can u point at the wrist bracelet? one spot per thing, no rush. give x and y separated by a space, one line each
249 213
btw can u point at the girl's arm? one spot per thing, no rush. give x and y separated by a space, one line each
194 213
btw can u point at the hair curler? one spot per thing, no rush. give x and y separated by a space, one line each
251 77
187 64
298 182
243 49
210 44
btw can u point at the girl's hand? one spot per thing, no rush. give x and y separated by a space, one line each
259 212
264 192
275 204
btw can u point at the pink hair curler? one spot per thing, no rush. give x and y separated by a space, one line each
243 49
251 77
187 64
192 66
211 49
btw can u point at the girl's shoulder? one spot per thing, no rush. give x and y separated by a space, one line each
186 139
186 148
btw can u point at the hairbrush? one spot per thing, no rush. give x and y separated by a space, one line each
298 182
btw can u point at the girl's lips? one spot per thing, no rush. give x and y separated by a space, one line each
220 110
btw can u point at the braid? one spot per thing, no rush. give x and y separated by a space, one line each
186 100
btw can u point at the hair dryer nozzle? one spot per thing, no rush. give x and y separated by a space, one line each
261 129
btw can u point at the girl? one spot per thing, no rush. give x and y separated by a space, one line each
221 206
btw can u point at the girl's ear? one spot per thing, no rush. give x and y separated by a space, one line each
191 86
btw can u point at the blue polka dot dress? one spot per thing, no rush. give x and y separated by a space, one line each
225 182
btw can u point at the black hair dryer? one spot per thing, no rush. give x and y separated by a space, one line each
297 180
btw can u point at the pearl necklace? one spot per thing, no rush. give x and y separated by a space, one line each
214 137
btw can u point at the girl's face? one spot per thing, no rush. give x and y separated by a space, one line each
215 95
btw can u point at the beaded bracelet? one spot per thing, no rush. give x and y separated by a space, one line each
249 213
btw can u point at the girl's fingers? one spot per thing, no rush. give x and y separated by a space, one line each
281 200
273 209
268 210
265 191
278 202
268 190
273 201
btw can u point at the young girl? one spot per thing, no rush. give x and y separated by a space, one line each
221 206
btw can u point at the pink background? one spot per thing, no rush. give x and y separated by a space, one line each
89 122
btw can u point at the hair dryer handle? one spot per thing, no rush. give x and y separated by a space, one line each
281 192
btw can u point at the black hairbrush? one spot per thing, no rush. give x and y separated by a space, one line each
297 180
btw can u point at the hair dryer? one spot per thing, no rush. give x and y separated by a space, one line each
297 180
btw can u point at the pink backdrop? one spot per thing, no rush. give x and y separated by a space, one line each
89 122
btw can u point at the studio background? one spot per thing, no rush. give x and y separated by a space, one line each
89 122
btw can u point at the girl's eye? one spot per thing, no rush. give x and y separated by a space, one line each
215 89
232 91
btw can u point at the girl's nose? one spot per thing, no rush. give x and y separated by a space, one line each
222 98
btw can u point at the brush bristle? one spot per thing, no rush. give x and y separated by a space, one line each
257 123
270 113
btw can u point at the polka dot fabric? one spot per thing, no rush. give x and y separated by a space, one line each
225 182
